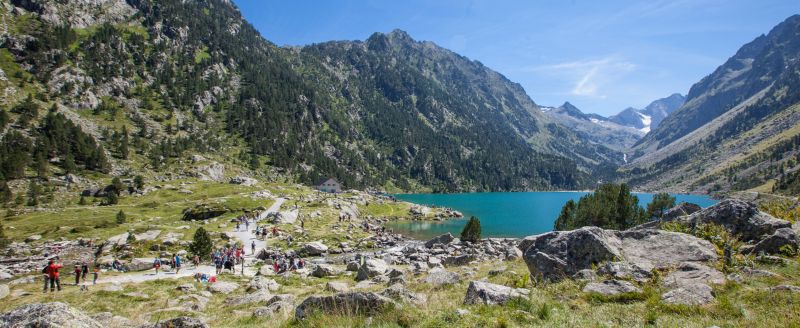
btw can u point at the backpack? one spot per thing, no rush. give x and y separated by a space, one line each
44 270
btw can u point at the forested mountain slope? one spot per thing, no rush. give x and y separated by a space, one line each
147 83
739 127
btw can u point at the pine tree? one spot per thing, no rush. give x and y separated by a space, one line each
3 119
5 192
33 193
117 186
472 231
201 244
69 164
82 201
112 198
121 217
567 216
138 182
660 204
123 143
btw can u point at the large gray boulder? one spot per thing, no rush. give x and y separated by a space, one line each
222 287
4 291
740 218
352 303
371 268
560 254
255 297
440 277
262 283
440 239
51 315
774 243
458 260
611 287
325 270
682 209
624 270
480 292
314 248
398 292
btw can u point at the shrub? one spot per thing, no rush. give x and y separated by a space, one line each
660 204
472 231
121 217
610 206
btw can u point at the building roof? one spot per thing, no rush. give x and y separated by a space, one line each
326 180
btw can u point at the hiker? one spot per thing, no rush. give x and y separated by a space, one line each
52 274
95 275
218 264
177 259
84 271
237 225
77 274
116 265
46 276
157 264
253 247
289 240
196 261
274 231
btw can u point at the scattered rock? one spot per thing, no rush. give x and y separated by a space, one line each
585 274
440 277
682 209
759 273
324 270
740 218
611 287
441 239
352 303
245 181
179 322
773 244
692 294
786 288
371 268
398 292
222 287
255 297
624 270
336 286
186 288
33 238
480 292
281 308
262 283
458 260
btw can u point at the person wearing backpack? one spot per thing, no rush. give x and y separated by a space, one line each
157 264
46 276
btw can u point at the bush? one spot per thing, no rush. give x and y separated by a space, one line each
472 231
201 244
121 217
660 204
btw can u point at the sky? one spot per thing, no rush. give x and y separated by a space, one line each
601 56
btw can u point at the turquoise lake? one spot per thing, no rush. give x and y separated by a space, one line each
504 214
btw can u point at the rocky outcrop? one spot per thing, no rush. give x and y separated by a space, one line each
689 273
775 243
693 294
222 287
624 270
353 303
439 277
244 181
179 322
314 248
47 315
480 292
262 283
80 13
255 297
560 254
324 270
398 292
682 209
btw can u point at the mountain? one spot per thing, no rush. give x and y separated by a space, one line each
739 126
651 116
593 127
147 83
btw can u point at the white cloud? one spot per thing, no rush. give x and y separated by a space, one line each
588 77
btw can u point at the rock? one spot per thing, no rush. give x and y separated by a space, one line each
786 288
33 238
285 217
773 244
352 266
371 268
480 292
771 259
419 210
139 264
148 235
314 248
262 283
4 291
186 288
692 294
441 239
440 277
398 292
255 297
55 314
759 273
266 270
204 211
245 181
458 260
324 270
690 273
682 209
352 303
179 322
434 262
624 270
336 286
222 287
197 158
281 308
611 287
118 240
462 312
560 254
108 319
214 171
585 274
740 218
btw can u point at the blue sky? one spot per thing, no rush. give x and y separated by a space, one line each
602 56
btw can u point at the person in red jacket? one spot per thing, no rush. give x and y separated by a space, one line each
52 273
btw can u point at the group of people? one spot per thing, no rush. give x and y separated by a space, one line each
175 262
263 231
283 264
227 258
50 272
